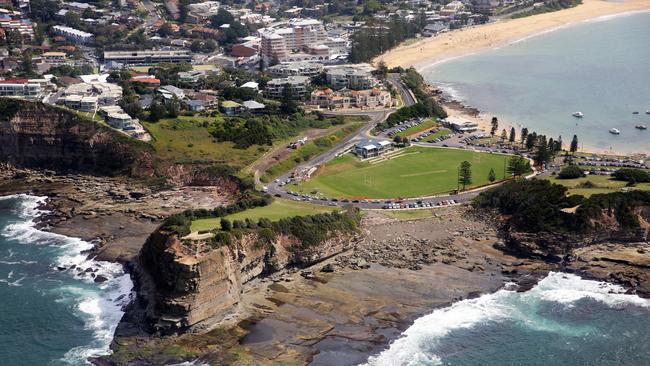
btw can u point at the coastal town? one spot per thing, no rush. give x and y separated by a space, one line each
287 182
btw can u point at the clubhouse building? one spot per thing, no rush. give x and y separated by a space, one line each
370 148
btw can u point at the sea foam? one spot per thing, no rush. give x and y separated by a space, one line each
413 348
99 305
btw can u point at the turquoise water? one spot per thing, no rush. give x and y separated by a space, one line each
601 68
49 316
564 320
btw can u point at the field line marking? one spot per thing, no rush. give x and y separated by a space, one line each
423 173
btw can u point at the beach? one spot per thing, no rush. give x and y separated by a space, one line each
462 42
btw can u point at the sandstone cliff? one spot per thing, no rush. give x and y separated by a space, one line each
41 136
183 283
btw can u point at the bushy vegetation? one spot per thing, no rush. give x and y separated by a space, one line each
632 175
549 6
263 130
310 230
180 223
536 206
571 172
426 105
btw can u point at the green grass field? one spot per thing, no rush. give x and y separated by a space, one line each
594 184
426 125
417 172
185 139
280 208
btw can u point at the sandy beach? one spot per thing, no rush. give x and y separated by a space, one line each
430 51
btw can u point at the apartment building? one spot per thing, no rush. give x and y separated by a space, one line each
351 77
279 43
370 98
21 88
74 35
297 84
146 57
310 69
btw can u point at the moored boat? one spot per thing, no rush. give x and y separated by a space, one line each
614 131
641 127
578 114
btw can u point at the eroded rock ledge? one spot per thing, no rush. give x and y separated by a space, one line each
184 283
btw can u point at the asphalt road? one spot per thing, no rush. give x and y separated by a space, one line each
275 189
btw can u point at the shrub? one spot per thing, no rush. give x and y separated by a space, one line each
630 174
571 172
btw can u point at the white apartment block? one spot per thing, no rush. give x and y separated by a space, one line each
74 35
310 69
280 43
351 77
22 90
297 84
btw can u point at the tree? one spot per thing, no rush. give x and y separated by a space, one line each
174 107
524 134
542 155
465 174
492 176
574 144
504 134
495 126
517 166
288 105
531 140
512 135
156 111
225 224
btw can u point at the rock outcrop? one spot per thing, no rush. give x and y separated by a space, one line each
180 288
39 136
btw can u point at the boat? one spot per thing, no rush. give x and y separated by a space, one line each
578 114
614 131
641 127
635 112
647 112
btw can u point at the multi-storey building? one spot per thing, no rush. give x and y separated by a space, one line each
279 43
297 84
22 88
351 77
310 69
74 35
147 57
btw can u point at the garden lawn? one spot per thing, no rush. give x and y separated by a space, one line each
416 172
279 209
594 184
426 125
187 139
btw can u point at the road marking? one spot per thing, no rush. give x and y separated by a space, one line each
423 173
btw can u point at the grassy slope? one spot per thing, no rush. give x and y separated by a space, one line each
420 172
602 184
279 209
185 140
440 133
308 151
426 125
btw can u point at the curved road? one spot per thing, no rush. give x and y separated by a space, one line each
376 117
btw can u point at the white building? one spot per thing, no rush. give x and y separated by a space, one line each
21 89
74 35
351 77
310 69
297 84
280 43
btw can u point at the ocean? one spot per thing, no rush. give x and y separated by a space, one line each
563 320
598 67
52 316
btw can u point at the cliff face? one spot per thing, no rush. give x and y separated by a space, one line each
40 136
554 246
181 289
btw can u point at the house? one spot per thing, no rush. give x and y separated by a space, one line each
254 107
230 108
73 35
147 80
192 76
54 58
251 84
372 147
243 50
20 88
169 92
195 105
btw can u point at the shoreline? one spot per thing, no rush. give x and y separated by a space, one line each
429 52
